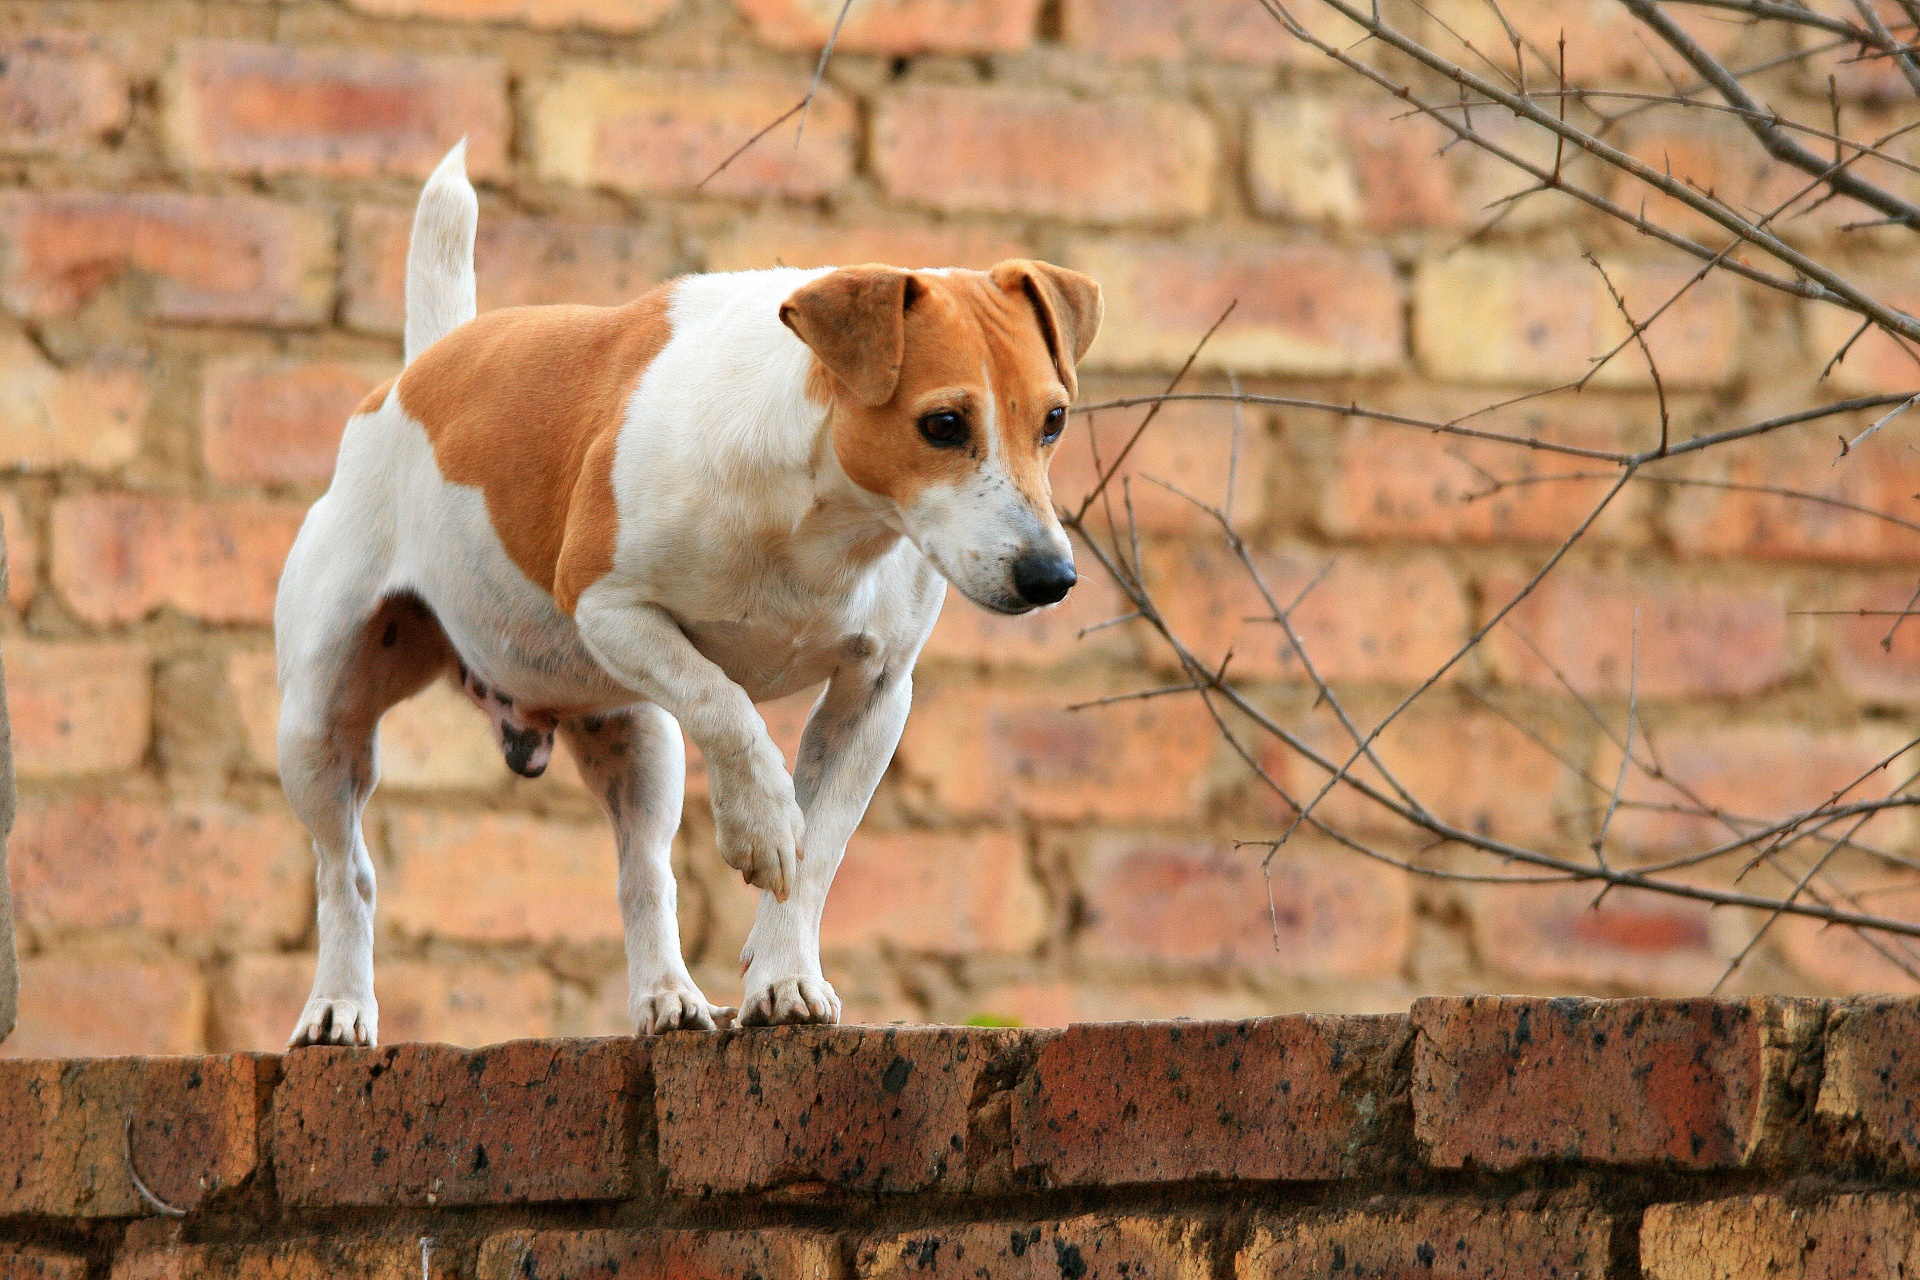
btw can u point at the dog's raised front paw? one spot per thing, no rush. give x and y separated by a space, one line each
790 1002
676 1008
336 1020
758 827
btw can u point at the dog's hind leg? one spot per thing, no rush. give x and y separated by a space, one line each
345 657
634 761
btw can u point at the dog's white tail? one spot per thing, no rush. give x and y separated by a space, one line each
440 288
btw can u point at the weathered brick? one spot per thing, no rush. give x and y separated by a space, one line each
999 750
307 1258
201 871
1315 912
1392 620
762 242
1095 1245
279 421
619 16
1631 940
78 708
59 93
119 557
1107 160
89 415
1500 1082
1188 445
23 552
875 1109
23 1263
476 1003
1875 363
195 259
525 1121
1849 961
89 1006
1872 1079
1495 317
1604 42
500 878
1447 1240
1304 309
1878 657
518 262
1707 640
658 131
253 107
1175 30
1302 1098
968 633
684 1255
63 1136
902 27
973 894
1872 1237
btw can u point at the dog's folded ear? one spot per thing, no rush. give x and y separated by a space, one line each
855 319
1067 303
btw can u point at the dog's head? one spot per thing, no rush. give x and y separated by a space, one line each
949 390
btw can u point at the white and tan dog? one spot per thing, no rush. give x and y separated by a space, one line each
606 520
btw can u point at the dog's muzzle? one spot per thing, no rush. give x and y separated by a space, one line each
1043 579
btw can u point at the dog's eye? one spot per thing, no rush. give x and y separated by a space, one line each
1056 423
944 429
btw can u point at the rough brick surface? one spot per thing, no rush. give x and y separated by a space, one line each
279 421
1459 1240
41 1264
89 415
500 878
89 1005
119 557
1873 1237
765 242
526 1121
63 1132
619 16
902 27
305 1258
1500 1082
1872 1080
975 894
1300 1098
264 108
59 93
876 1109
78 709
682 1255
1095 1246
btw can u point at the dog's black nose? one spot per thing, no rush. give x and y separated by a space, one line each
1043 579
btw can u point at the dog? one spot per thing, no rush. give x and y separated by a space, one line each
604 521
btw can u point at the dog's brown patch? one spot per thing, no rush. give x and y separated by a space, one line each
376 397
525 404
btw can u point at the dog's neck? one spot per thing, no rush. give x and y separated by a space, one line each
850 521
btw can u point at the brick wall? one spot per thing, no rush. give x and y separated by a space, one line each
1603 1140
203 209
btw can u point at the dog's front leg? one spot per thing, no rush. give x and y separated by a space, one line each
756 821
849 739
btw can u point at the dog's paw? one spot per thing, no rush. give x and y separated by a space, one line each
676 1008
791 1002
336 1020
758 827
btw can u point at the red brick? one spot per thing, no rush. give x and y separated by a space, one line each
684 1255
972 894
38 1264
1500 1082
1394 621
279 421
23 552
1094 1245
1871 672
1117 159
762 243
1842 961
78 709
524 1121
90 1006
1867 1236
1488 316
308 1258
969 633
253 107
1445 1240
500 878
1631 940
1304 1098
1176 30
880 1110
1189 446
195 1132
1301 309
620 16
995 751
1187 902
1871 1083
518 262
201 871
203 259
658 131
1875 363
1695 641
120 557
59 93
89 415
903 27
1604 41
